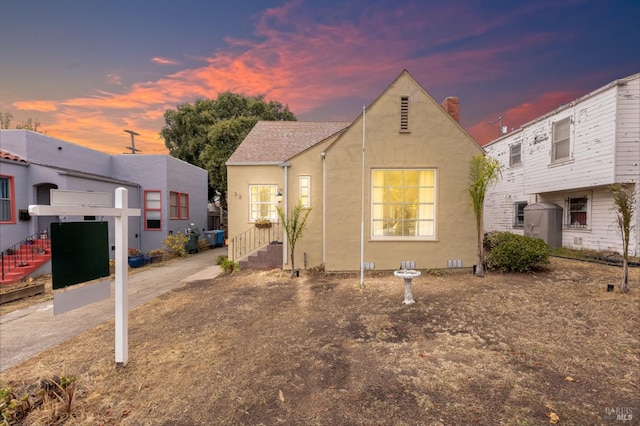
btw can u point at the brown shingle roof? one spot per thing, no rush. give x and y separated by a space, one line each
8 156
277 141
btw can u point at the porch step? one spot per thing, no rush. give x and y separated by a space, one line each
21 264
269 257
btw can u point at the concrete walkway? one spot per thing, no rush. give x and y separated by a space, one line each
29 331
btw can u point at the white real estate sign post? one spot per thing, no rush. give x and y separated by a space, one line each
77 203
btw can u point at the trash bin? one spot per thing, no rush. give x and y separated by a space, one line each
192 233
219 238
210 236
214 238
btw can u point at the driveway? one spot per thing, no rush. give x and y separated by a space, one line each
29 331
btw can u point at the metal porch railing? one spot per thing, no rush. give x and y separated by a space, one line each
253 239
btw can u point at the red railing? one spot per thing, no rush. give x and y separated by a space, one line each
21 253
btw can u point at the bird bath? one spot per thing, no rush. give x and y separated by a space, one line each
407 275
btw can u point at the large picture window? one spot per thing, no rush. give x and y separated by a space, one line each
262 202
6 200
178 205
152 210
404 203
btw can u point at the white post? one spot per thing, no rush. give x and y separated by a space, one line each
362 207
122 296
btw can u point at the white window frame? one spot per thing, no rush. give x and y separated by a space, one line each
513 155
304 190
385 224
560 140
516 209
263 202
152 209
572 216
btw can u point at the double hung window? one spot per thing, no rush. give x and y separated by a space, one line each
560 149
152 210
262 202
6 200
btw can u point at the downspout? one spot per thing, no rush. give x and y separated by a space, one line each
285 210
324 208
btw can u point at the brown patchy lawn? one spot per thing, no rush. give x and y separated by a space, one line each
259 348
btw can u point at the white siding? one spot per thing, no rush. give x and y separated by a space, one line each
628 132
605 148
592 136
499 206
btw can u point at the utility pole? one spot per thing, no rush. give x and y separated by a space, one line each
498 120
133 142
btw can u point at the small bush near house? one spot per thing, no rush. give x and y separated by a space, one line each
509 252
227 266
175 244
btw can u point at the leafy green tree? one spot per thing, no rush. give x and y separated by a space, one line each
294 226
483 172
207 132
624 199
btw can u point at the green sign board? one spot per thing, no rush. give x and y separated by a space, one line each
79 252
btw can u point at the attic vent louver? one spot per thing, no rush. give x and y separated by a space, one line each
404 114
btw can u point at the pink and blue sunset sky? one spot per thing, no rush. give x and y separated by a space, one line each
87 70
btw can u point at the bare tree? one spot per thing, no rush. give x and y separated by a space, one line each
624 199
483 172
5 119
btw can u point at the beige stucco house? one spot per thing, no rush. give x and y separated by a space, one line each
393 194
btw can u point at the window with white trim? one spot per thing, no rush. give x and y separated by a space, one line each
7 201
178 205
304 183
518 216
560 141
152 210
403 203
577 212
263 202
515 154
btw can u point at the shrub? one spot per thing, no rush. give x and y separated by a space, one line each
175 244
228 266
509 252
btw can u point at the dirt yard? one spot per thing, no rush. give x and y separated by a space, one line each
258 348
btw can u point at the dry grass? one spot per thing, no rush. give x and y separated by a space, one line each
260 348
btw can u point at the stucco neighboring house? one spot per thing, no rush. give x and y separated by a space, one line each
413 156
170 192
567 159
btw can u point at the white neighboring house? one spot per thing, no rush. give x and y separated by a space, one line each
569 157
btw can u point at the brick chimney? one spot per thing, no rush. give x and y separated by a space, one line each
451 104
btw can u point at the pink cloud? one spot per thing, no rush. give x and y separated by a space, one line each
297 61
164 61
484 132
43 106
